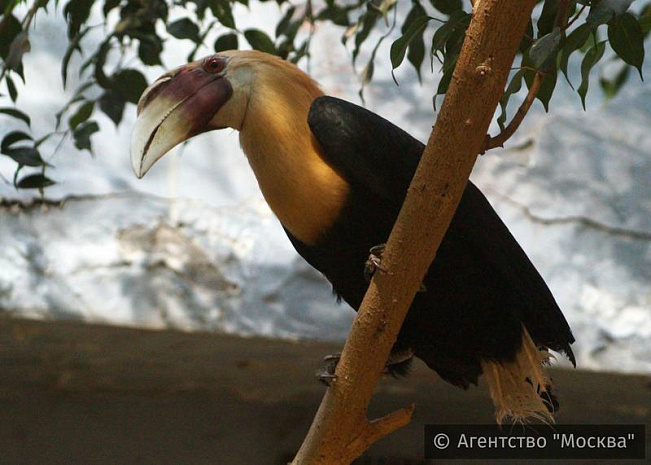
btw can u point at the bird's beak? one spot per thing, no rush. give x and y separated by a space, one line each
176 107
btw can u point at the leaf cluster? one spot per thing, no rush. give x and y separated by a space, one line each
109 73
562 28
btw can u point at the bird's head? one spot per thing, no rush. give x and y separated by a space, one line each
213 93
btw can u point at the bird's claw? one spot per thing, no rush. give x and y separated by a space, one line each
374 262
326 378
332 358
327 374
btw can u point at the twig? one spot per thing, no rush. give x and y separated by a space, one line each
576 16
509 130
375 430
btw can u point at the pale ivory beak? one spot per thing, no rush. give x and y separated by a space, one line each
173 109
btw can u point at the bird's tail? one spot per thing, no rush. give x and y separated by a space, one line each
521 389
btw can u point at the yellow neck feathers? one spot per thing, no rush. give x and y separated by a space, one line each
304 192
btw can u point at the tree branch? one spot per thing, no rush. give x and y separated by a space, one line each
576 16
340 431
509 130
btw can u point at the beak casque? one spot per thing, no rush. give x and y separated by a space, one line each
178 106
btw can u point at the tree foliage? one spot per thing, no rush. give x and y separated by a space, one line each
426 33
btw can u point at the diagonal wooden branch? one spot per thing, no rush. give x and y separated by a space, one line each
340 431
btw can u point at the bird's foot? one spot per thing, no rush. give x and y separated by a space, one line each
398 365
374 263
327 374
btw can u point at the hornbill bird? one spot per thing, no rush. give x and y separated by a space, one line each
336 176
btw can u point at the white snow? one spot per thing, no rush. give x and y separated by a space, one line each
193 246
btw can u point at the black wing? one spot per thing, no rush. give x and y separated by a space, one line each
373 154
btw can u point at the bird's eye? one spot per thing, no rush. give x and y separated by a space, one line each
214 65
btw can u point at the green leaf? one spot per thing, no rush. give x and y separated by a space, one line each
444 83
590 42
645 24
16 114
458 20
149 49
13 93
284 48
72 46
99 60
449 62
283 24
627 40
260 41
416 53
82 135
447 7
544 48
35 181
451 50
547 17
226 42
184 28
9 28
335 14
19 46
26 156
112 104
130 83
364 28
416 12
547 87
513 88
577 38
416 50
81 115
611 87
292 30
77 13
454 43
399 47
109 5
223 12
12 138
600 13
592 56
59 114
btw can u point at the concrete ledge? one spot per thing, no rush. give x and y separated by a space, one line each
72 393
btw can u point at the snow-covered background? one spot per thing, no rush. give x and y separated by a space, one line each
193 246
